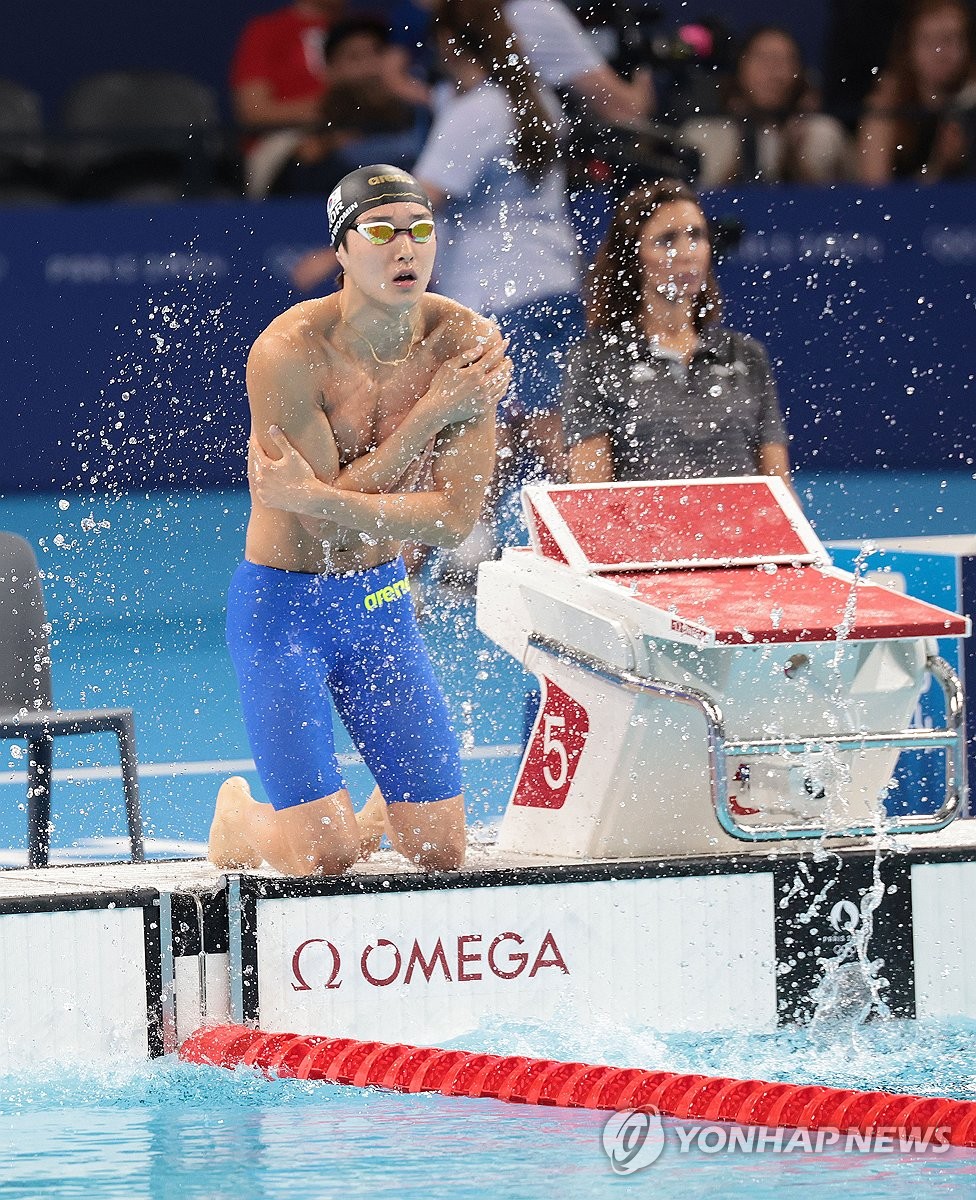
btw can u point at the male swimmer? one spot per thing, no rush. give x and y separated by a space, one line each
372 424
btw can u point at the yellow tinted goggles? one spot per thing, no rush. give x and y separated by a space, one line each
379 233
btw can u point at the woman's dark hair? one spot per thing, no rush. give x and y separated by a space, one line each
481 33
899 62
616 291
907 109
738 101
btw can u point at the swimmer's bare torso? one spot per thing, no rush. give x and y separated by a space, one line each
311 374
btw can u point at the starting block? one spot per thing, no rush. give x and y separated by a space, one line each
708 679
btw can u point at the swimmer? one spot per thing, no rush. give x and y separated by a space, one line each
372 424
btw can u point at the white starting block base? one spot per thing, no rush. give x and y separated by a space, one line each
690 706
650 756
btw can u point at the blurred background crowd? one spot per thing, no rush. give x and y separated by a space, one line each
529 123
295 95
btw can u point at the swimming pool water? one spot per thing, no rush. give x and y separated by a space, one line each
167 1129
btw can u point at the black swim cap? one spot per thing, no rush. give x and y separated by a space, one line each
366 188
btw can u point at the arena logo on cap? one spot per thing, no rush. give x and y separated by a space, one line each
374 180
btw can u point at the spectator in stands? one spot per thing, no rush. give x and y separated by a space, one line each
855 49
563 55
558 47
278 75
410 31
902 134
492 168
659 388
373 111
770 130
957 140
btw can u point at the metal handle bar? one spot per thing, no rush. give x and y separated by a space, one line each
950 739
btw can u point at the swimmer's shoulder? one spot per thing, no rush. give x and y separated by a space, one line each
295 344
455 326
303 325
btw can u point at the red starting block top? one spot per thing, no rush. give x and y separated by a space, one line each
741 606
720 562
670 524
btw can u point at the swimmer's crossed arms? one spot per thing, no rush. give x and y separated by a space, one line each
329 452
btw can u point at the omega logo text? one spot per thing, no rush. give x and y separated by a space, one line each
318 964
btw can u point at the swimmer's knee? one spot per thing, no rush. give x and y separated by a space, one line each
337 853
446 854
335 859
449 857
431 835
320 837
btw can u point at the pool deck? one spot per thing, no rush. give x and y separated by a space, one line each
197 875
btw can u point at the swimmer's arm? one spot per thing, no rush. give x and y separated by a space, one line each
279 389
382 468
281 395
444 516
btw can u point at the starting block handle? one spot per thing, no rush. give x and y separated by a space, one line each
720 749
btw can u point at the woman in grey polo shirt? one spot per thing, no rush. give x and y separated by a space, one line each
659 388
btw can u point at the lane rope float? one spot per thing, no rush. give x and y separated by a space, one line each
522 1080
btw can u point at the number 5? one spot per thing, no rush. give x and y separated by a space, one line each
552 745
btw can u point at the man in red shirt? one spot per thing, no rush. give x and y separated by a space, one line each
278 75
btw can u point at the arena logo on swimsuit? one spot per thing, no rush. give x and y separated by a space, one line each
387 595
383 962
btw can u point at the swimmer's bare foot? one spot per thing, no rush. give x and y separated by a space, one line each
227 847
371 820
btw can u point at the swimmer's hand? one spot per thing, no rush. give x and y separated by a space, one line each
472 383
287 482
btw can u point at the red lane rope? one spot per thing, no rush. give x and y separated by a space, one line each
521 1080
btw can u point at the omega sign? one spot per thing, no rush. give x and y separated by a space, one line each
319 964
